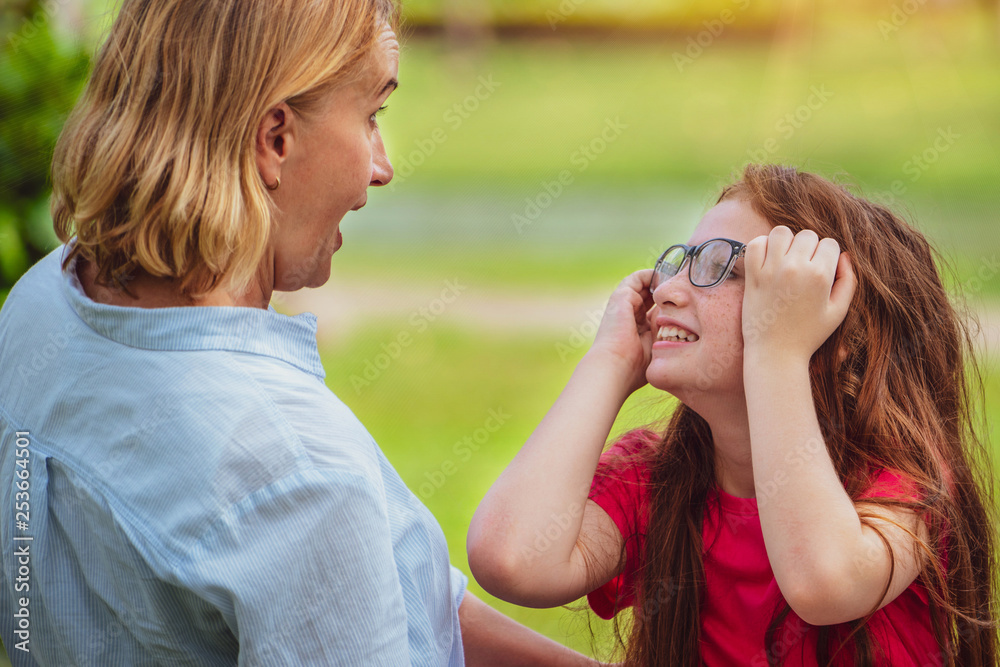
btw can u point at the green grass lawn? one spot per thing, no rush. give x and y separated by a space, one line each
591 243
515 114
443 388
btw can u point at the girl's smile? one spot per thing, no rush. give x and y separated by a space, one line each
697 331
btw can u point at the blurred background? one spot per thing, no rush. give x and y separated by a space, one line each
543 150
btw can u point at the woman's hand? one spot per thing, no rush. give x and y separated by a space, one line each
625 335
798 290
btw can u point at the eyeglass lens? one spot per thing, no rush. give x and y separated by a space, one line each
708 263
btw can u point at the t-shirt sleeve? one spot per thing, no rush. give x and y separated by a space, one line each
620 489
888 483
303 570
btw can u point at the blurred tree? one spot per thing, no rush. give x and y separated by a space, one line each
993 6
41 76
466 22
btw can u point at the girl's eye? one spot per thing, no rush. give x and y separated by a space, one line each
378 113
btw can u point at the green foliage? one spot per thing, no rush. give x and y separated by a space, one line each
693 123
40 78
644 14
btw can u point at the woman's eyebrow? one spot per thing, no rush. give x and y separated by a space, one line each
391 84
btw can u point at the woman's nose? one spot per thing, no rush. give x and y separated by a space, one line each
381 167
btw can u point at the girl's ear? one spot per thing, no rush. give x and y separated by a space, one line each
841 354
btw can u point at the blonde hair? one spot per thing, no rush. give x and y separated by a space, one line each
155 167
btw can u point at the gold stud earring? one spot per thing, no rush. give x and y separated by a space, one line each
277 182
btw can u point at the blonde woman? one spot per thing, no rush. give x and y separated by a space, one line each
180 486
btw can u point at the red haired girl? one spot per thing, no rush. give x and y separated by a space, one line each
819 495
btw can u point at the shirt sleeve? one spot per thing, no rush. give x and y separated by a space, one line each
459 584
889 483
303 574
619 488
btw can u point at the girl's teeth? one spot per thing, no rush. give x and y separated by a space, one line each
675 334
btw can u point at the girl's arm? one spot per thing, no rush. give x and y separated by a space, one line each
535 539
829 568
489 638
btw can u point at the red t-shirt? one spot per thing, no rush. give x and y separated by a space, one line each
740 593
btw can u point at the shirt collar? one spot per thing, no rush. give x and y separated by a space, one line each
239 329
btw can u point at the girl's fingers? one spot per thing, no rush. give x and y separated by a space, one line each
844 283
804 244
827 254
639 308
642 304
753 259
782 245
647 306
638 294
778 243
640 280
632 295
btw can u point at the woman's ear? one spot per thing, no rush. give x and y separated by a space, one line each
274 140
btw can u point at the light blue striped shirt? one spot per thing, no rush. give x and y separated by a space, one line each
197 496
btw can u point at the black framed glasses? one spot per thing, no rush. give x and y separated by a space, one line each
710 263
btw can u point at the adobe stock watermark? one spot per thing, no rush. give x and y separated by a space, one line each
580 159
757 328
22 542
160 410
463 450
565 9
650 608
453 118
713 29
102 643
987 271
789 639
32 25
899 16
419 321
791 122
558 524
50 347
580 336
918 165
795 459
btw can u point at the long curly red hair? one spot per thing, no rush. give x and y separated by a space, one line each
902 399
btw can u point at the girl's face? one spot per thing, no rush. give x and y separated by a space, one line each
713 363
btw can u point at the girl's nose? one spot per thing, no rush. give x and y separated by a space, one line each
675 290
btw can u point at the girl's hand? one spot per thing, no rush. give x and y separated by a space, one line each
798 290
625 335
